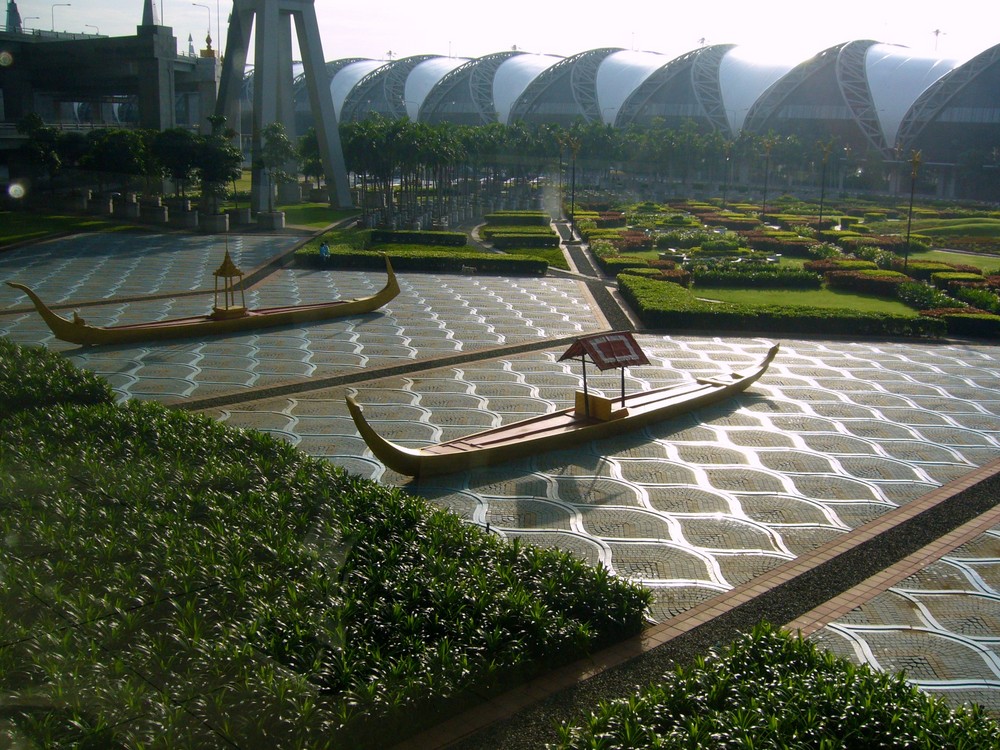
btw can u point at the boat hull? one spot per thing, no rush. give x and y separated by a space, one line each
79 332
556 431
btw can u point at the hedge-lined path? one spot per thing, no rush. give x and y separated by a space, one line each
836 435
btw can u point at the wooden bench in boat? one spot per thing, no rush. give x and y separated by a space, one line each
598 407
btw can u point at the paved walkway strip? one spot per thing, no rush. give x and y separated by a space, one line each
804 594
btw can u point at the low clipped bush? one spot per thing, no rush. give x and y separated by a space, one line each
33 377
950 280
877 281
894 243
511 218
684 239
838 264
922 296
979 298
337 612
769 689
966 322
785 243
757 276
612 265
401 237
503 240
922 269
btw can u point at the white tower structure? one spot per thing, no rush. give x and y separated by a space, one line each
272 84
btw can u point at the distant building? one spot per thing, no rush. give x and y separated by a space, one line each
878 99
89 81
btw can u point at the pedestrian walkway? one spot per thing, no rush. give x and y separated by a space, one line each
704 510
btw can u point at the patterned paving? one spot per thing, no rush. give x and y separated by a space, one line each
432 316
941 625
834 435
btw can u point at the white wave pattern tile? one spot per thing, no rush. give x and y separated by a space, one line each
834 435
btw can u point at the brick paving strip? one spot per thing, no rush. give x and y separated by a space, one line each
801 595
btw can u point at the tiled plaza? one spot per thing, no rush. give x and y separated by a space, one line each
835 435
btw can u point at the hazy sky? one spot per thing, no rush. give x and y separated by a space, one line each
466 28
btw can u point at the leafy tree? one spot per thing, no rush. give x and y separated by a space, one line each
310 160
117 154
177 150
275 154
217 162
41 149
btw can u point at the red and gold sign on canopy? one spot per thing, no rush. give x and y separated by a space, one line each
608 350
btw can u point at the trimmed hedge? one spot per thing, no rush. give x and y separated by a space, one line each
405 237
948 280
426 260
502 241
666 306
838 264
34 377
877 281
757 275
614 264
513 218
967 322
769 689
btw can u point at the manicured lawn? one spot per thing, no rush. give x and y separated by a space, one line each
315 215
989 264
806 298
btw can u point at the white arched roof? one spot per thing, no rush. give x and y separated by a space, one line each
746 73
424 77
896 77
513 77
347 78
619 75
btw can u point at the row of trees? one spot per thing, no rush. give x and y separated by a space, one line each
122 158
394 161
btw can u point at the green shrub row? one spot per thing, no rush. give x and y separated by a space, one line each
867 281
838 264
612 265
922 296
773 690
756 276
949 280
965 322
665 306
401 237
500 218
503 241
979 298
787 243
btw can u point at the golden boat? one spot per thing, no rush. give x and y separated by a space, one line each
592 418
226 318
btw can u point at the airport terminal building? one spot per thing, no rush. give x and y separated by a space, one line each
874 98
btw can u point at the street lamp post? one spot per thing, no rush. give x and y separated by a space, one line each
97 29
914 167
725 173
827 148
54 6
768 145
208 38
